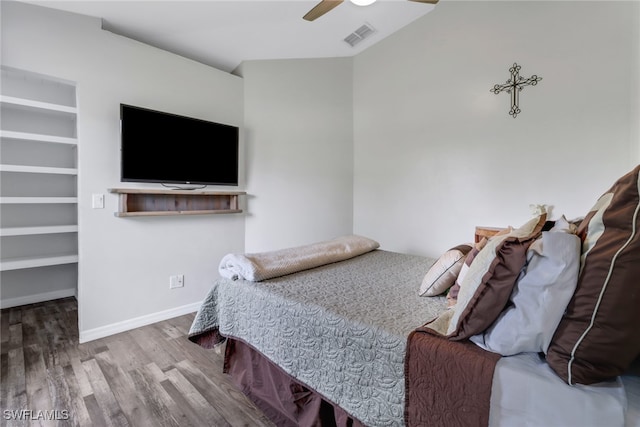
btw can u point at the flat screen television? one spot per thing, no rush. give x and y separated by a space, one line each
169 148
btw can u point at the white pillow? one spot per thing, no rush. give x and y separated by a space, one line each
539 299
443 273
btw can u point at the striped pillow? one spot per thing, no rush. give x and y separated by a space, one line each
598 337
443 273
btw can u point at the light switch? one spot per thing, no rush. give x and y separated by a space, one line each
97 201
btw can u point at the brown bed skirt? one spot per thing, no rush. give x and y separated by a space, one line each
283 399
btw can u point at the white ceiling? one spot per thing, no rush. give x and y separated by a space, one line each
223 33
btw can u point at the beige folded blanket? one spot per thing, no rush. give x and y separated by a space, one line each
267 265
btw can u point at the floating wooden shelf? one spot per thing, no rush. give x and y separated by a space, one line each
142 202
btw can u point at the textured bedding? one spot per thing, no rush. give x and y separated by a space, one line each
448 383
340 329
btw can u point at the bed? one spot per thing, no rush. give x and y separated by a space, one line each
333 344
340 329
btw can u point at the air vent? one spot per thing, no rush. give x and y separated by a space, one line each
360 34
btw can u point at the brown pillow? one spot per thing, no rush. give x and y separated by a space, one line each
452 295
487 286
598 336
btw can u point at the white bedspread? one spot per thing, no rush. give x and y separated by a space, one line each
527 393
267 265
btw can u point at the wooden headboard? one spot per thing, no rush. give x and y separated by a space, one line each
487 232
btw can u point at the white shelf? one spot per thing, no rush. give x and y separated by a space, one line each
24 136
11 100
32 262
37 200
39 165
38 169
28 231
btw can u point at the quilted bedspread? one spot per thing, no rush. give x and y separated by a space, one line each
341 328
453 379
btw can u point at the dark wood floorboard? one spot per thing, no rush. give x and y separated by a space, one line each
150 376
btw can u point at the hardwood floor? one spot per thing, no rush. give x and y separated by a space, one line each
150 376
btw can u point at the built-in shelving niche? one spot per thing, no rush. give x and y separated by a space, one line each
38 194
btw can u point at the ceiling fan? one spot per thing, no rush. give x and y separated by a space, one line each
326 5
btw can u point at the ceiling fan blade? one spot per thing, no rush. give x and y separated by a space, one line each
321 8
426 1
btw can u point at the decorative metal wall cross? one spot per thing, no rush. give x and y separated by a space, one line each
514 86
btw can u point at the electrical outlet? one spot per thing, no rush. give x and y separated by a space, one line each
176 281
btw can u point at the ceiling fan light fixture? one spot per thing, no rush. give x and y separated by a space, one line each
363 2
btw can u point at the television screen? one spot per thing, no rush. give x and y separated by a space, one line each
168 148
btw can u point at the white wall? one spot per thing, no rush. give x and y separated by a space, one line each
125 263
299 151
404 143
436 153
